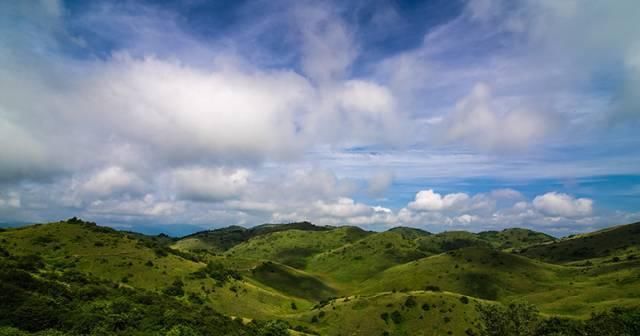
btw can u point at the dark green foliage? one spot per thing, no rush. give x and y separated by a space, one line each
410 302
176 288
274 328
396 317
71 303
516 319
523 320
464 300
385 317
293 306
432 288
218 272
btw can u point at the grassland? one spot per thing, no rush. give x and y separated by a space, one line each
347 281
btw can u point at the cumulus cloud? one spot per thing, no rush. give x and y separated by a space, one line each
563 205
206 184
428 200
583 38
112 180
478 120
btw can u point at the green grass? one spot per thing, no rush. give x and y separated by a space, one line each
620 241
355 262
291 281
295 247
288 271
220 240
429 314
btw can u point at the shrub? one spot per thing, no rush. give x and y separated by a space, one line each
396 317
176 288
410 302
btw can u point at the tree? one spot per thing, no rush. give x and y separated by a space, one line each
274 328
182 330
516 319
396 317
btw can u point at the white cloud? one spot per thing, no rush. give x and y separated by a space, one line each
428 200
210 184
479 121
563 205
145 206
342 208
111 180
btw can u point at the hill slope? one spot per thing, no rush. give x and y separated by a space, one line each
621 241
221 240
295 247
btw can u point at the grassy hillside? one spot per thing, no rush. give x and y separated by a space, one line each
622 242
476 271
357 261
411 313
403 281
220 240
515 238
494 275
295 247
124 259
291 281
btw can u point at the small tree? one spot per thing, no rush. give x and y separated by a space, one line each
517 319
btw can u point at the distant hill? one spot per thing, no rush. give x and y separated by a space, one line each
515 238
294 247
220 240
357 261
616 242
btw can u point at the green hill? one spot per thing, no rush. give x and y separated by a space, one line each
291 281
220 240
295 247
352 263
494 275
621 242
402 281
515 238
411 313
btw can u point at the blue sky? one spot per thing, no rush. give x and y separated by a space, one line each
444 115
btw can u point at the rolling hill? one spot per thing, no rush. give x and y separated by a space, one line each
331 280
619 241
220 240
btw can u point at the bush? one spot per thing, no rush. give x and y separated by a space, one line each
396 317
176 288
464 300
410 302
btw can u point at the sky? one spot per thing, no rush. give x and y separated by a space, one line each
178 116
